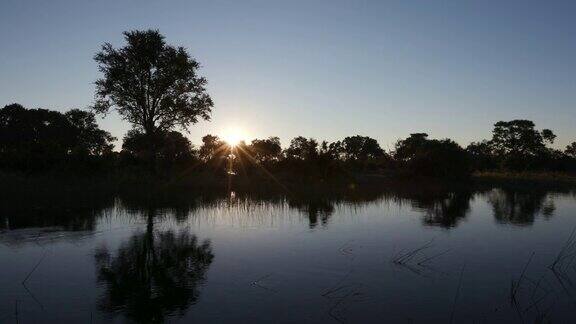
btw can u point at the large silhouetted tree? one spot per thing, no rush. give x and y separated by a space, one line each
153 85
518 145
519 137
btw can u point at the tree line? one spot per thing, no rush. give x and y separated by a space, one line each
35 140
156 87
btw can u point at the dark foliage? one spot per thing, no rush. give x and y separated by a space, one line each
481 155
156 87
41 139
163 149
360 148
44 140
302 149
152 85
421 156
266 150
517 146
213 148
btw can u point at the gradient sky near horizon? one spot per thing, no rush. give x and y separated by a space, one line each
322 69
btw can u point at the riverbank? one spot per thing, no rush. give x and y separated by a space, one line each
74 184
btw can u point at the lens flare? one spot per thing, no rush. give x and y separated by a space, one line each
233 136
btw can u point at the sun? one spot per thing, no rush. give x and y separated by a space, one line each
233 136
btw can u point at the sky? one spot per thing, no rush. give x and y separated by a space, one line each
322 69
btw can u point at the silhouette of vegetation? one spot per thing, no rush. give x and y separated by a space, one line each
213 151
519 137
167 149
152 85
517 146
481 156
421 156
361 148
302 149
41 139
357 152
517 143
266 150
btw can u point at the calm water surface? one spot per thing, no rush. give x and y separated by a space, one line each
238 258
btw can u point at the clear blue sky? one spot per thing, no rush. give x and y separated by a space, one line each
324 69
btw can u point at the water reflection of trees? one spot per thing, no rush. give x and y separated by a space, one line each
153 275
441 205
446 211
63 208
520 206
316 210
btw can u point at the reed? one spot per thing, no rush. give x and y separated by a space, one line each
515 285
566 254
406 257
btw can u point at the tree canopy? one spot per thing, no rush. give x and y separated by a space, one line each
407 148
166 147
152 85
41 139
302 148
438 158
213 148
32 139
266 149
519 137
90 139
361 148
